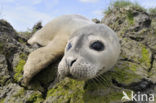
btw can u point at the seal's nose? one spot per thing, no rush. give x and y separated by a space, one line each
71 61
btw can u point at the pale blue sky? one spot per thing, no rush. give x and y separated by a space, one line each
23 14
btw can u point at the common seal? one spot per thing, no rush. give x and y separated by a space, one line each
91 48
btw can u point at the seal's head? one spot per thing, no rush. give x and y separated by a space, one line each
90 51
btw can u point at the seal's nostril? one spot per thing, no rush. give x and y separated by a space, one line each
72 62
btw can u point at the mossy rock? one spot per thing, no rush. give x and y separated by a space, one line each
66 91
17 94
18 69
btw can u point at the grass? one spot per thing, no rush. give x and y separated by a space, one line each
152 10
122 4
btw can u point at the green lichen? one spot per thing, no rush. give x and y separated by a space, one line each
68 90
19 68
145 59
19 93
133 67
125 73
35 98
3 79
2 100
21 41
130 17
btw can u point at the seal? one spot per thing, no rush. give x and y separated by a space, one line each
89 49
53 38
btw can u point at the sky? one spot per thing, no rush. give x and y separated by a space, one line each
23 14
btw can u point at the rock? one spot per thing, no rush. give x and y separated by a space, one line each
13 93
4 73
95 20
135 70
6 27
37 26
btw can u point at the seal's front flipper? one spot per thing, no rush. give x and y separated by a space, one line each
42 57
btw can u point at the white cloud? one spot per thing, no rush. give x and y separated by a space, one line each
23 14
24 17
89 1
98 12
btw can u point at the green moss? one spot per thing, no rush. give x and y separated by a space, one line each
19 93
122 3
124 76
2 100
145 59
35 98
3 79
130 17
68 90
133 67
21 41
19 68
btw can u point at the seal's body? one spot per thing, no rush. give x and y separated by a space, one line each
91 49
62 26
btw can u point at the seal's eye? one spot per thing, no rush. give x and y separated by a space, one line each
97 45
69 46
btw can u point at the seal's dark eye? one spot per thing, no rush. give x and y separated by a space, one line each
69 46
97 45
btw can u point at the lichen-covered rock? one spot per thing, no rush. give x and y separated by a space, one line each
66 91
6 27
135 70
13 93
4 73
